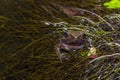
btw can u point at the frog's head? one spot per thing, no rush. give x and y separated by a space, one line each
75 34
73 40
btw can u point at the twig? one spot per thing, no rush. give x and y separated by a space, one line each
104 56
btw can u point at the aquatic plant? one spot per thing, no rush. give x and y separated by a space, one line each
27 43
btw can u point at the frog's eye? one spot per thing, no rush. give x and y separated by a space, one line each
84 35
65 34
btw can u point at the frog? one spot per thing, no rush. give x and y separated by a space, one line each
71 40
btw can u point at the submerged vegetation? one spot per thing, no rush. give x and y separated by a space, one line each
30 32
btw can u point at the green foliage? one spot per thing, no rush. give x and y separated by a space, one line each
113 4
